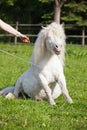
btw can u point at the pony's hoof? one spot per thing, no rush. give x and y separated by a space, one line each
52 103
10 96
1 94
70 101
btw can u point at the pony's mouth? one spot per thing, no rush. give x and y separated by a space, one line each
57 52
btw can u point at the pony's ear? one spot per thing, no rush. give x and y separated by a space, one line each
43 27
63 25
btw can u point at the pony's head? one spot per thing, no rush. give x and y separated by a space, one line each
51 39
55 38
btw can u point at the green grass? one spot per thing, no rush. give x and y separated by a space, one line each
23 114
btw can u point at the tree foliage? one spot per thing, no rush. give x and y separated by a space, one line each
75 12
42 11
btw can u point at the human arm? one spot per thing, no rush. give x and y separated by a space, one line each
6 27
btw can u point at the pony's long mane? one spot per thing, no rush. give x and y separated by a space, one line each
40 49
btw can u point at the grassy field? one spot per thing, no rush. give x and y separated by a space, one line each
24 114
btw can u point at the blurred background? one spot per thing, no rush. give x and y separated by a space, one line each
28 16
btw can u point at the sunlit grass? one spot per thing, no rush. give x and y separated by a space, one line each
23 114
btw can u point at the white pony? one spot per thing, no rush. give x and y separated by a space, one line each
45 78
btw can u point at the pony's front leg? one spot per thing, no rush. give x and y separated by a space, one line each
62 83
47 89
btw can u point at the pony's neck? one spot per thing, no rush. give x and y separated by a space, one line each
39 57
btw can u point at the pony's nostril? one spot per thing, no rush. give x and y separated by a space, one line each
56 46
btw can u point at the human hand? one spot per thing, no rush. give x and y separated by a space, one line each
24 38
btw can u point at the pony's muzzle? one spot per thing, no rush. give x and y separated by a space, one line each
58 49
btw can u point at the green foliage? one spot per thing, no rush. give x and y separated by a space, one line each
8 2
27 114
45 1
42 11
77 12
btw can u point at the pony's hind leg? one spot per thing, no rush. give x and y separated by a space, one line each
7 90
18 89
62 83
56 91
10 96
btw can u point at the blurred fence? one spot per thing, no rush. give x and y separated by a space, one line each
74 34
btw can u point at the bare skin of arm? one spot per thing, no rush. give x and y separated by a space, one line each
6 27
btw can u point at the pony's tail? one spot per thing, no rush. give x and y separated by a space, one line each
7 90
